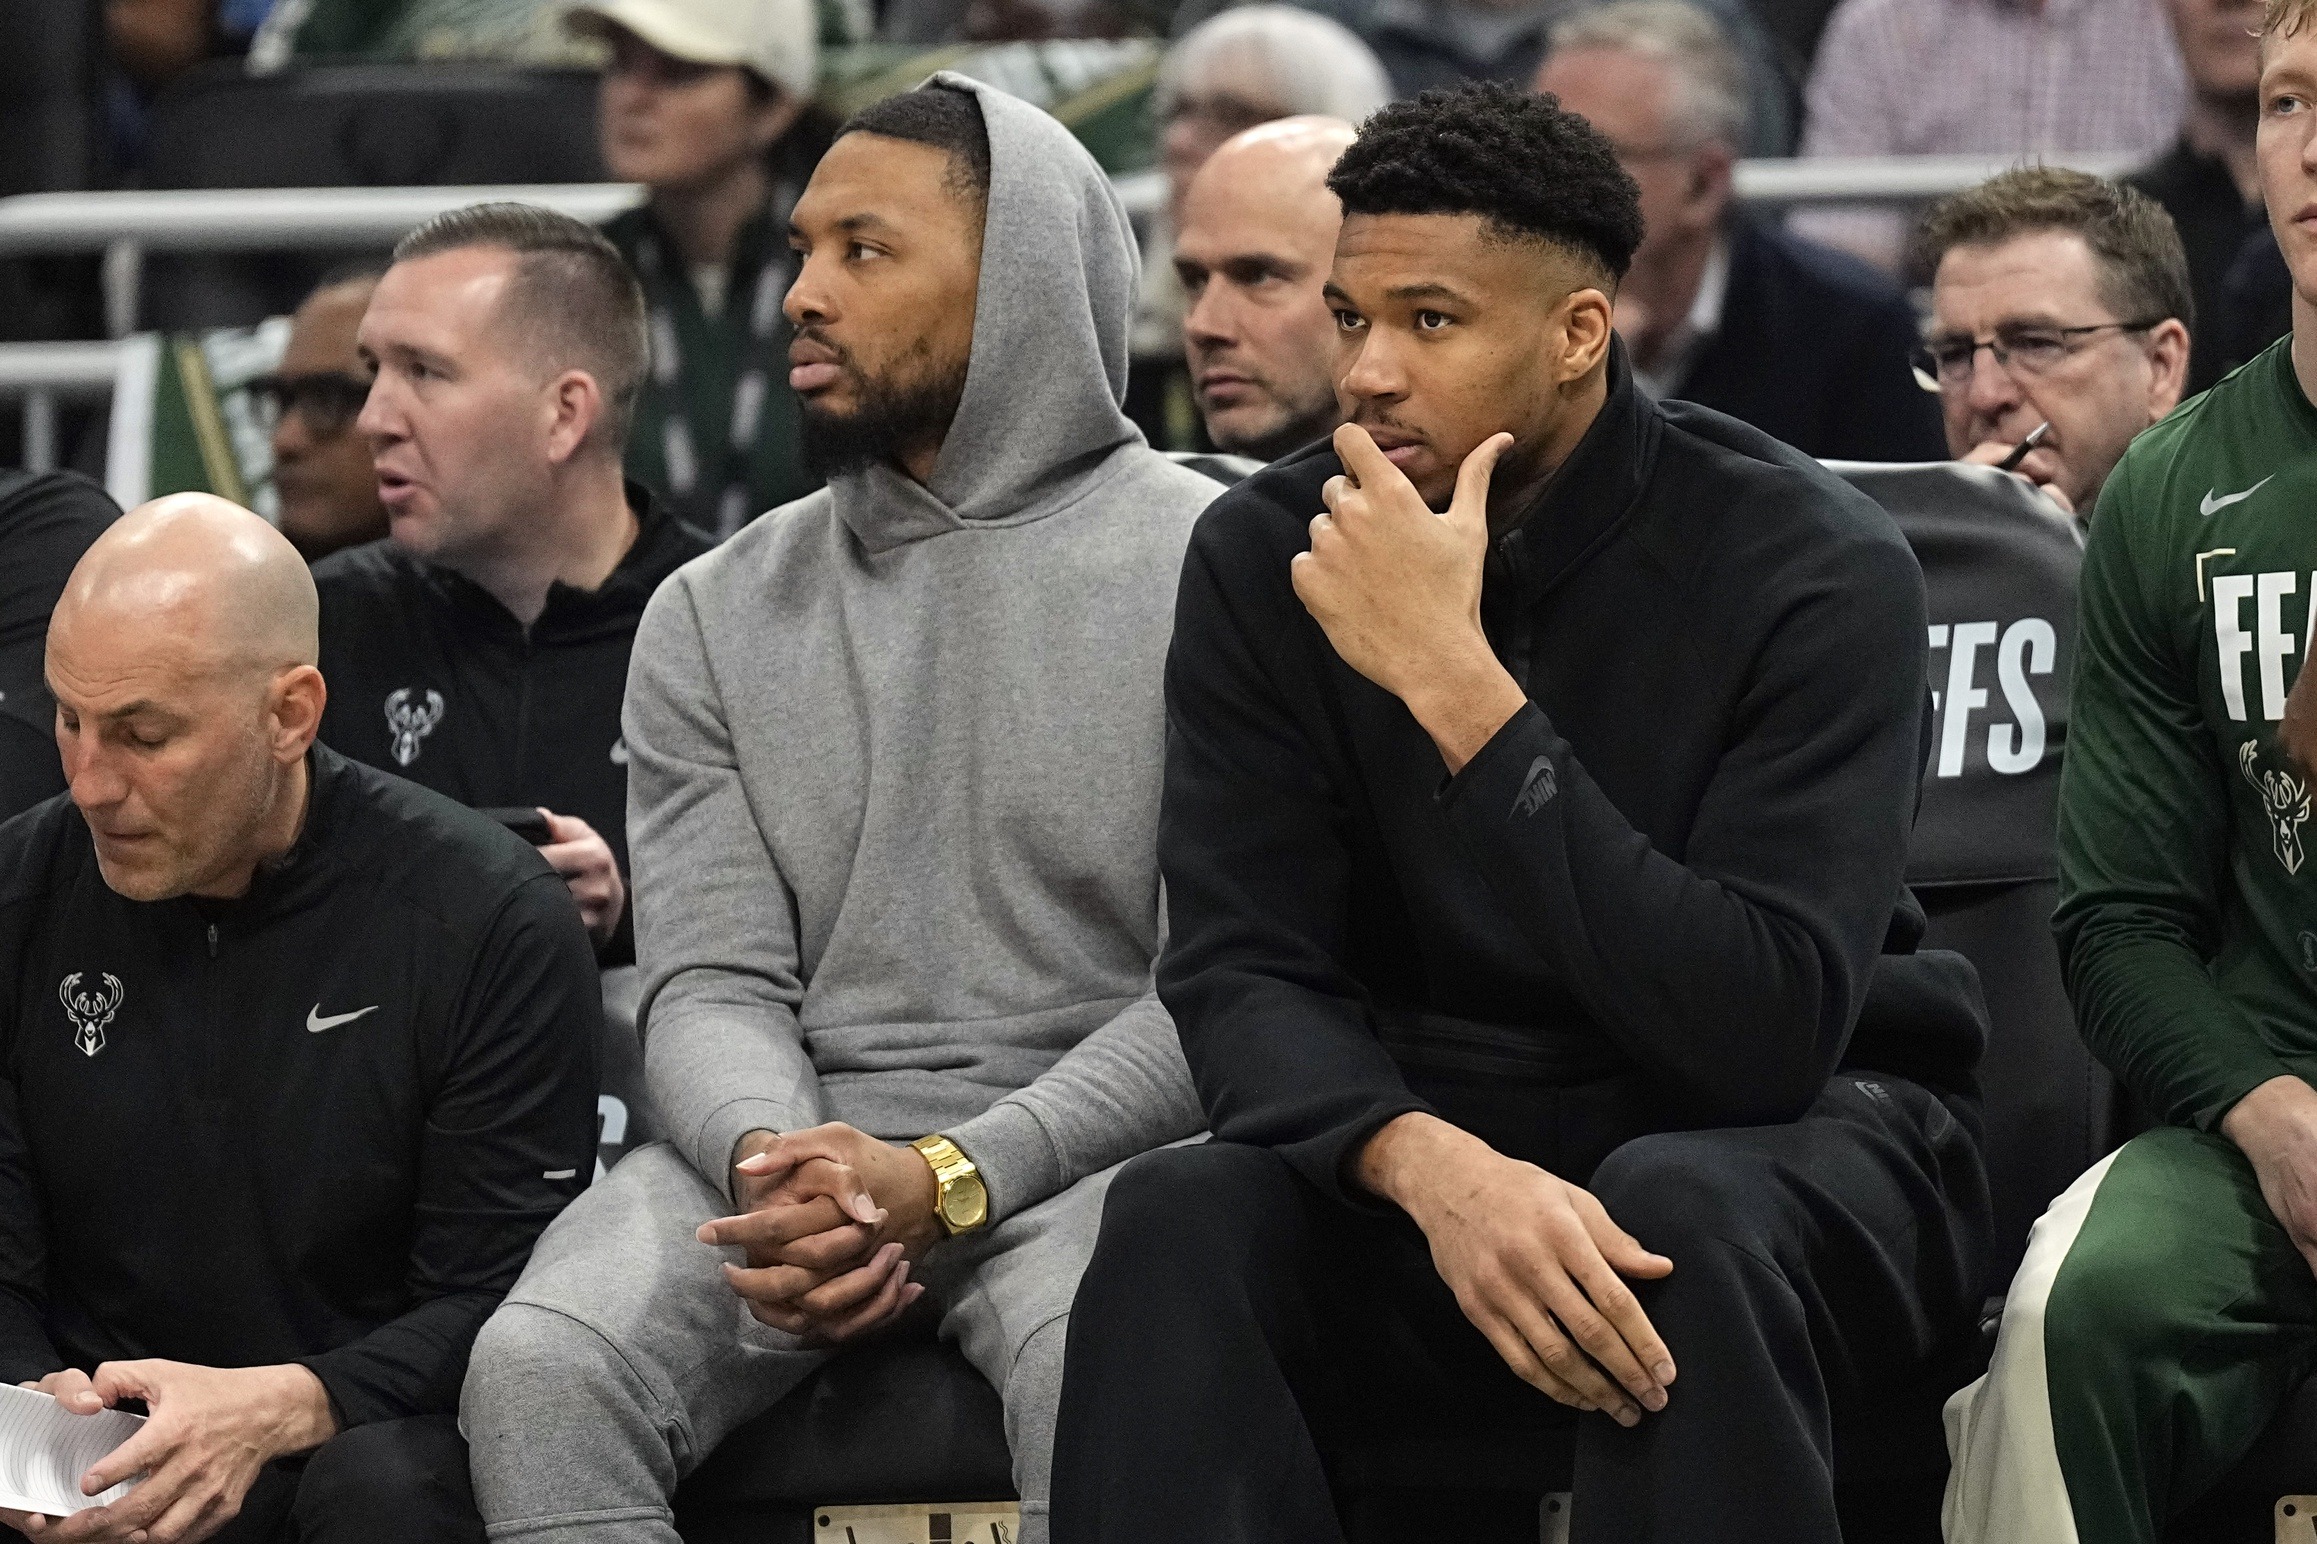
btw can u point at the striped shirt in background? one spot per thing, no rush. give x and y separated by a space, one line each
2000 77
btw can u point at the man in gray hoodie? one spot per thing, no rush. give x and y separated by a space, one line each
895 754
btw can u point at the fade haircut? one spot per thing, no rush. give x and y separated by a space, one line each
572 297
2143 273
941 116
1529 169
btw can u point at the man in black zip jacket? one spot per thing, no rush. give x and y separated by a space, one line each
296 1061
1529 866
482 647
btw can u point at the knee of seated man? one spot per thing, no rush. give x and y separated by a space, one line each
527 1358
1680 1192
2100 1309
1203 1202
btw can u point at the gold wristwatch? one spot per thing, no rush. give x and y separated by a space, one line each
961 1201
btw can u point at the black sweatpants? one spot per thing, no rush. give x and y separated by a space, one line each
391 1482
1236 1325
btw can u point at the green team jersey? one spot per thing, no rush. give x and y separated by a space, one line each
2188 894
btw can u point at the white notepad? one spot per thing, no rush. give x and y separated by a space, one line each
45 1449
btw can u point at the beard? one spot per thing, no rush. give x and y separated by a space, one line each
893 415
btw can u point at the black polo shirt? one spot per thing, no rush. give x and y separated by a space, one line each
322 1123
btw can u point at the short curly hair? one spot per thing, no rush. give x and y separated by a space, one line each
1522 163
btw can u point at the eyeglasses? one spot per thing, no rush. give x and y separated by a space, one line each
327 401
1221 111
2021 347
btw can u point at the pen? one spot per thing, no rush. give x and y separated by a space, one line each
2019 452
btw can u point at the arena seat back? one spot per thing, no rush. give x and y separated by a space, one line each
350 125
1999 573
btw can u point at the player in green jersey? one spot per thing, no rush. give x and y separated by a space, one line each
2168 1302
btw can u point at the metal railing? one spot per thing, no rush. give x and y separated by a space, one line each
43 374
126 225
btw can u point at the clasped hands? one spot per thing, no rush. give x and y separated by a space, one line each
831 1222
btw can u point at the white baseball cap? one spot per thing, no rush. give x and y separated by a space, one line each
778 39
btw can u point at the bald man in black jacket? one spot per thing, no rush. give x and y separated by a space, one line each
297 1059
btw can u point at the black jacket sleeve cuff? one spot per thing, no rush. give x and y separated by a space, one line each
1326 1160
1514 773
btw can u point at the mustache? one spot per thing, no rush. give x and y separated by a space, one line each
813 334
1372 419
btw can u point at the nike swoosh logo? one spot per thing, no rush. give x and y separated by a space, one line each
2209 505
315 1023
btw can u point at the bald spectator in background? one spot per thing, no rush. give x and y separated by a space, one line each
322 474
2036 79
1247 66
361 1143
2060 301
1257 241
2209 183
1805 343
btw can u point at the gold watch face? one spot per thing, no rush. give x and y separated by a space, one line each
964 1203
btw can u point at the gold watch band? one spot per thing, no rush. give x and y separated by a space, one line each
961 1202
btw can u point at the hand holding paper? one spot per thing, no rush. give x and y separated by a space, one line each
46 1446
211 1431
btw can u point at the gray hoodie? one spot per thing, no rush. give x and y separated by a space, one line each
895 753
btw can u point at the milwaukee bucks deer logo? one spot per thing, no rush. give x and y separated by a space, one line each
411 720
2285 798
90 1012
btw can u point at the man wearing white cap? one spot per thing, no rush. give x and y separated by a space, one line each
707 103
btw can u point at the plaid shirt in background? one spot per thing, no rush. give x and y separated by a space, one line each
2004 77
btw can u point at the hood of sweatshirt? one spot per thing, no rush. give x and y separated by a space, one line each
1041 417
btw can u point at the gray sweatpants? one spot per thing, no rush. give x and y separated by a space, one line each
621 1358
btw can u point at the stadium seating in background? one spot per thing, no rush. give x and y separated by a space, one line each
51 99
368 125
52 139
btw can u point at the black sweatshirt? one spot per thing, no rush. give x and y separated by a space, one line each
432 679
47 520
1669 876
323 1123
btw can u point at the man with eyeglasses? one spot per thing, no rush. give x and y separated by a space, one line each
1807 344
1252 65
2060 310
2167 1306
322 475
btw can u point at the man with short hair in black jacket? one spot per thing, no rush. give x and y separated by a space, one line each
1529 866
296 1062
482 647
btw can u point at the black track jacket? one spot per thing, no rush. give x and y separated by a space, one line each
323 1123
431 678
1665 882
